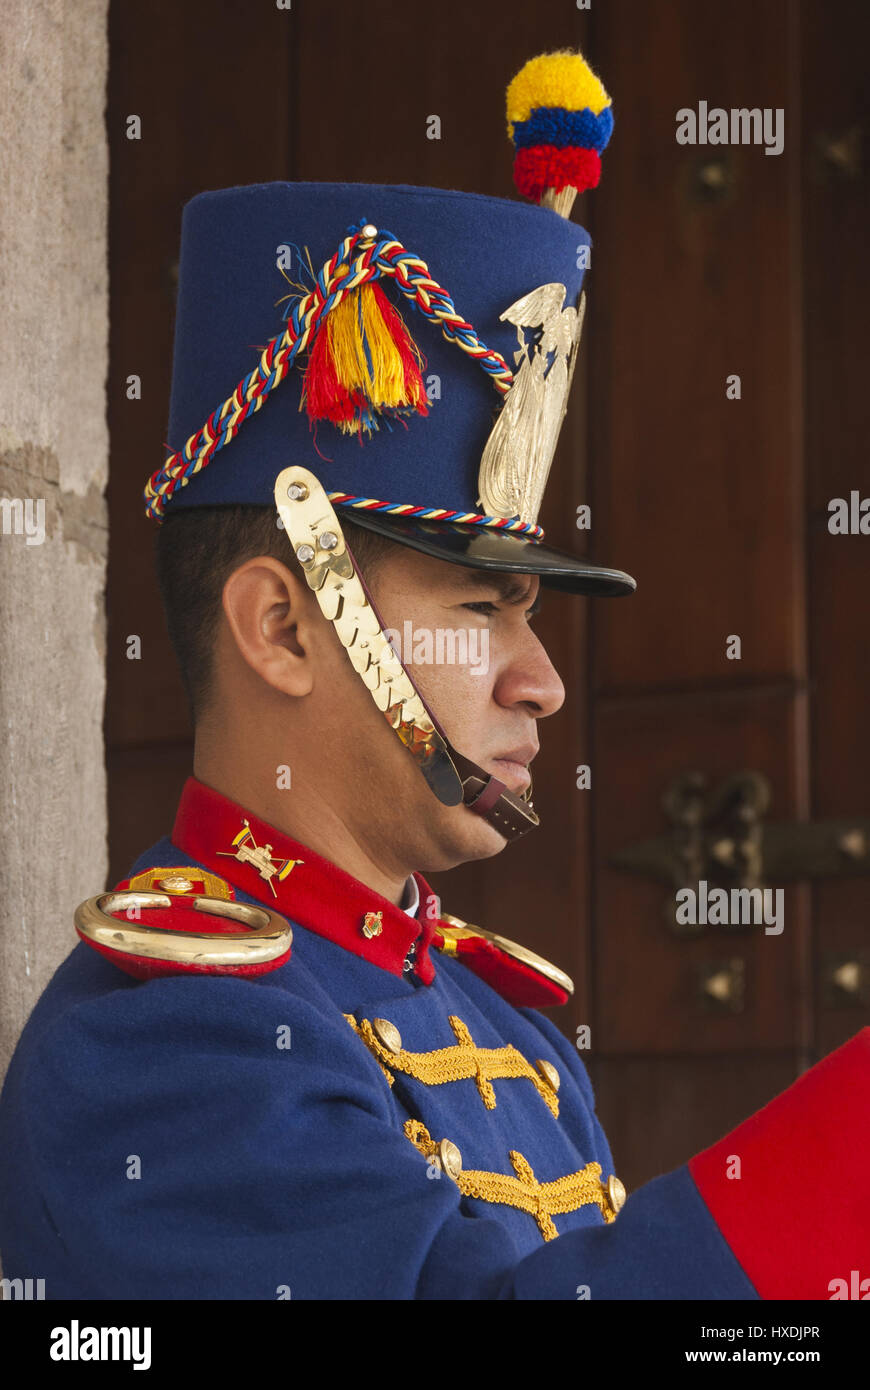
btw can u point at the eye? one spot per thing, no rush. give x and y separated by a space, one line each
488 609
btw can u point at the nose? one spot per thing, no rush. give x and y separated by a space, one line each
529 678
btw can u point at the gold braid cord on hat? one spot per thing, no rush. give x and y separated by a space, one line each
318 543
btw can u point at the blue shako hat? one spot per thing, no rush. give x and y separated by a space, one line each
246 253
412 347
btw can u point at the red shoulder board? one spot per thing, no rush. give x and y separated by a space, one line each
182 921
516 973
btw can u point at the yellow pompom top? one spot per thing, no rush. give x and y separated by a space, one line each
562 79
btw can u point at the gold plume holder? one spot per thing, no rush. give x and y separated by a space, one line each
559 200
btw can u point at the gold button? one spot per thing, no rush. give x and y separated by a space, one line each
549 1073
176 883
387 1034
616 1193
451 1158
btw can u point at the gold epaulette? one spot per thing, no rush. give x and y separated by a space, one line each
454 930
143 948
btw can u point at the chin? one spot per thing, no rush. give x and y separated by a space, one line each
458 836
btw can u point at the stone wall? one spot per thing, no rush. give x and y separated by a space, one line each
53 470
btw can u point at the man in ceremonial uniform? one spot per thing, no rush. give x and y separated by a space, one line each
275 1065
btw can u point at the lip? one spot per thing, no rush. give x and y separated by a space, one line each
523 754
511 767
515 776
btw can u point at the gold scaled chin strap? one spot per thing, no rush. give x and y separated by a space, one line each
315 534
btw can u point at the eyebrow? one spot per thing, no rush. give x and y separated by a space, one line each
511 587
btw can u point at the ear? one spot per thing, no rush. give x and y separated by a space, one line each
272 622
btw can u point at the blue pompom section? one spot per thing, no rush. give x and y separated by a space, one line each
553 125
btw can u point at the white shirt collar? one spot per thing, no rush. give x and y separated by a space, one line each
411 897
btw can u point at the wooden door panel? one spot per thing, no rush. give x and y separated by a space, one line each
659 1111
647 998
836 231
696 494
144 787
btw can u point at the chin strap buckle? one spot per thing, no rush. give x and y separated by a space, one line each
512 815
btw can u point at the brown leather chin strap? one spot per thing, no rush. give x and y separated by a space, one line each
484 794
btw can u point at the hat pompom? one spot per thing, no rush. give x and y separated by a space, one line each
560 119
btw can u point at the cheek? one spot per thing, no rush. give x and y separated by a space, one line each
459 691
343 699
458 697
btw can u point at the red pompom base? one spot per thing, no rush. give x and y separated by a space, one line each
544 166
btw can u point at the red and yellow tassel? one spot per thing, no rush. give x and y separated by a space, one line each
363 363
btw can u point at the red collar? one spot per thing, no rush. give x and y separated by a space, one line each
313 892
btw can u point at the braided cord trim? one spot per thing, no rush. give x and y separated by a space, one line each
542 1200
356 1028
503 523
463 1062
357 261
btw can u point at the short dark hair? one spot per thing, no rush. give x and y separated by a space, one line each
197 549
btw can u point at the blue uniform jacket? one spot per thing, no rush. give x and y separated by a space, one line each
235 1138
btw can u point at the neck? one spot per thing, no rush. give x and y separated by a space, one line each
303 814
